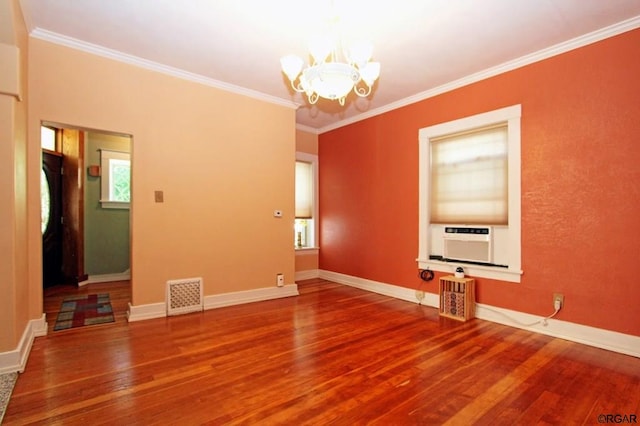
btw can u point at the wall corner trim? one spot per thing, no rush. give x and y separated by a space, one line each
600 338
16 360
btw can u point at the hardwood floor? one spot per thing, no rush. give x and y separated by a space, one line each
333 355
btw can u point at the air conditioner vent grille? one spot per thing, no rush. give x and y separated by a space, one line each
472 244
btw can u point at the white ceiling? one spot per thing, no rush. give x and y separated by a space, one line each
425 46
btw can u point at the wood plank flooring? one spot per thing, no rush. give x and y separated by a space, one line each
333 355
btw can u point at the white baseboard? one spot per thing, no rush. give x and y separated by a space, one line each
592 336
106 278
145 312
605 339
249 296
390 290
159 310
16 360
307 275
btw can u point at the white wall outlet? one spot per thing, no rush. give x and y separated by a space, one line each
280 280
558 301
277 213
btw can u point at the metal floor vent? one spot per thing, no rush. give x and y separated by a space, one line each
184 296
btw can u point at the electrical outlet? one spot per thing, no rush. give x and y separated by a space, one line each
419 295
558 301
280 280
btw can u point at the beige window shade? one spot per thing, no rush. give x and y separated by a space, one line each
469 177
304 190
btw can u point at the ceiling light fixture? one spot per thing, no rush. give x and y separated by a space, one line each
335 71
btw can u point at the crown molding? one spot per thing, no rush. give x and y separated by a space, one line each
575 43
307 129
94 49
572 44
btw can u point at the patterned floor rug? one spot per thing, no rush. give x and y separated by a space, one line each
89 309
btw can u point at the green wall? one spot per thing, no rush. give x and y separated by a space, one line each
106 231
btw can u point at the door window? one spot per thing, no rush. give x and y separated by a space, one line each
45 201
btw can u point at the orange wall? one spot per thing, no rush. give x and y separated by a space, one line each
224 161
580 186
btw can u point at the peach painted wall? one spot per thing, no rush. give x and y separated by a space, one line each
14 300
224 162
306 142
306 260
580 186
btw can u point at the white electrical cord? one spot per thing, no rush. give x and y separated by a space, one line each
543 320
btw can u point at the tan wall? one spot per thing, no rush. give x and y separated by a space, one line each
306 142
306 260
224 162
14 300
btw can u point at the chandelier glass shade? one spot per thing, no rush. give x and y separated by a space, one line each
334 72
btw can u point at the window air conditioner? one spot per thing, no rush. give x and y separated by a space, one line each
467 243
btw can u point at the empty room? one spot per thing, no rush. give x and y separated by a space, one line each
331 212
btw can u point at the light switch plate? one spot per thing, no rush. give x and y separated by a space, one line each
159 196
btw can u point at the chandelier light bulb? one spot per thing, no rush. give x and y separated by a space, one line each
360 53
320 48
370 73
291 66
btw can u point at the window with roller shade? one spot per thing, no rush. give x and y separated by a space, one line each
305 201
469 177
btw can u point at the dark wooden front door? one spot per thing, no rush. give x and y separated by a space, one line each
51 222
72 145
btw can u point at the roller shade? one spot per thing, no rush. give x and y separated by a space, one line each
304 190
469 177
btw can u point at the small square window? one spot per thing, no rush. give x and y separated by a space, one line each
116 179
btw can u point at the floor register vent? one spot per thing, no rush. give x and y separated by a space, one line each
184 296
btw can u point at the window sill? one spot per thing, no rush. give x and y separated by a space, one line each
115 204
495 273
307 250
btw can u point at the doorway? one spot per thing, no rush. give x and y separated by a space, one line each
85 240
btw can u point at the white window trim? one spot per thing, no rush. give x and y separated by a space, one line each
105 178
511 115
313 159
